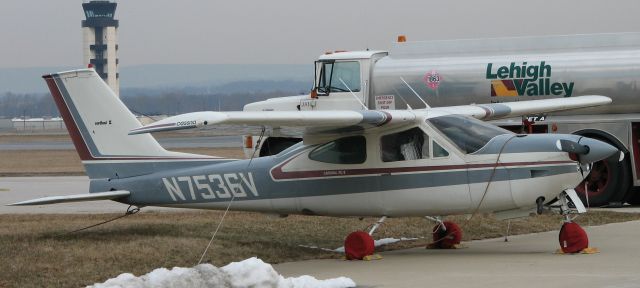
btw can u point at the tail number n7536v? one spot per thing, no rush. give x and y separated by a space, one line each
211 186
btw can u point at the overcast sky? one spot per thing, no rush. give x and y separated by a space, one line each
48 33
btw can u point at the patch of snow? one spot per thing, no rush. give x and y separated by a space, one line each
251 272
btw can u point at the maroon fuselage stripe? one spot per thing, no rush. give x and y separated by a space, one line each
278 174
74 132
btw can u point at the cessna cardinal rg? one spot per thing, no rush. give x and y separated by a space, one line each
395 163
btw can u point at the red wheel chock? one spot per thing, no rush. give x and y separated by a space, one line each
447 238
573 239
358 245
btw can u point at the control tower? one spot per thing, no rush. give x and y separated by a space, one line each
100 39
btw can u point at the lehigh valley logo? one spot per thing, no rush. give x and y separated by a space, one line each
526 80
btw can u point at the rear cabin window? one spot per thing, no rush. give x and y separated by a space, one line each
410 144
348 150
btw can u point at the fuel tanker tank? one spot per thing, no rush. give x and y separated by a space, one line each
459 72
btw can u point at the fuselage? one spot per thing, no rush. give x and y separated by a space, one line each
508 172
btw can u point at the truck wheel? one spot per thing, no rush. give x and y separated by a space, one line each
275 145
607 183
610 179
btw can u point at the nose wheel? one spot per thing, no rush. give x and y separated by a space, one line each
572 238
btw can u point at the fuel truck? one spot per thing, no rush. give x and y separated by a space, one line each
415 75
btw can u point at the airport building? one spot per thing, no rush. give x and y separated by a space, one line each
100 40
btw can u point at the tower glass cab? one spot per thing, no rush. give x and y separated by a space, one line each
100 34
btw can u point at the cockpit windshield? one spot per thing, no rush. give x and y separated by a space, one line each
469 134
338 77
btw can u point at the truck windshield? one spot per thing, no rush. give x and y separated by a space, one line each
469 134
338 77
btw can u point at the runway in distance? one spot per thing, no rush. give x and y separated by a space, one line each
430 162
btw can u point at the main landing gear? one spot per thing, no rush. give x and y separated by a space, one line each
446 234
360 244
572 238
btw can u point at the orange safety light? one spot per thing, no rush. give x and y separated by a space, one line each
328 53
402 38
248 141
314 94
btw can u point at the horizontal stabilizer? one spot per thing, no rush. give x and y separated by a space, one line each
75 198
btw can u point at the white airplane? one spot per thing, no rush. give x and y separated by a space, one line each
397 163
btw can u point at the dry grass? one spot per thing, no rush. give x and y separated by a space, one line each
67 162
33 256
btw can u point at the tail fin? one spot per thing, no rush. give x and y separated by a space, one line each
99 123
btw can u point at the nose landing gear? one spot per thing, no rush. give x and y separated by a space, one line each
572 238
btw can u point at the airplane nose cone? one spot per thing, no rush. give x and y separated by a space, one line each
597 150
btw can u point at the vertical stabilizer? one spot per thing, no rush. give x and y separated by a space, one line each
99 123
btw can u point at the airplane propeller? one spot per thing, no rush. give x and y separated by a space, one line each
587 150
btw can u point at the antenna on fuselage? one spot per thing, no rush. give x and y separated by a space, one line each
415 93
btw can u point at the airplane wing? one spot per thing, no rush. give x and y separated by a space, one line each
514 109
75 198
342 120
325 120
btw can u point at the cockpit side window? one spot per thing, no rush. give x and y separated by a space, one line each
347 150
438 151
338 77
410 144
469 134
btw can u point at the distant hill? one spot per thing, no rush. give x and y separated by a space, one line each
171 76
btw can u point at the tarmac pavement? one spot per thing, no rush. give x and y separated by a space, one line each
524 261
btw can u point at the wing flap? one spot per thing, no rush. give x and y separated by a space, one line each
75 198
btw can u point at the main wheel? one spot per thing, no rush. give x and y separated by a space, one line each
358 245
446 238
607 182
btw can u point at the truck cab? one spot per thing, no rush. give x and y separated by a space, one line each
342 82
